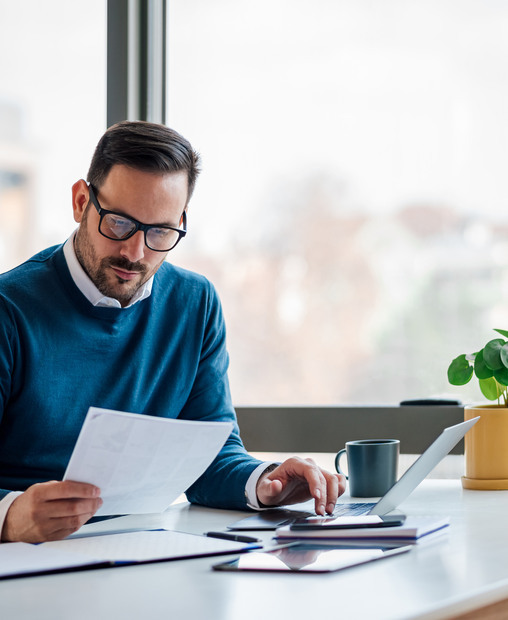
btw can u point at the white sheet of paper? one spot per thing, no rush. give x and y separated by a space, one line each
145 546
142 463
23 558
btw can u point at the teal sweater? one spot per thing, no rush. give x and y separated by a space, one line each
164 356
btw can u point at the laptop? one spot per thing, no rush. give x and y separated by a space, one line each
277 517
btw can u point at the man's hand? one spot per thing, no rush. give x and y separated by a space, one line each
50 511
297 480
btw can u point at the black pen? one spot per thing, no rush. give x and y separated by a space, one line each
235 537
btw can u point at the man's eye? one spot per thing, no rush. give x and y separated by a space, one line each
118 226
161 233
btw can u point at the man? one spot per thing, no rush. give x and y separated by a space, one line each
103 320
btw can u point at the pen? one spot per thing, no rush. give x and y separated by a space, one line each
235 537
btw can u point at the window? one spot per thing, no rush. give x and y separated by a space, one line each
352 209
52 112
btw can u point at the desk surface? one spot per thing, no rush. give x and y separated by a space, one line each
463 570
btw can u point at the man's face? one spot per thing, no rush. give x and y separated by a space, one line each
119 268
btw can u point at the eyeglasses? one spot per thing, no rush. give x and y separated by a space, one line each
121 227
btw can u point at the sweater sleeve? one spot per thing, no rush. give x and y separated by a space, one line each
223 483
7 358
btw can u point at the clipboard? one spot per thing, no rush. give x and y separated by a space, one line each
111 550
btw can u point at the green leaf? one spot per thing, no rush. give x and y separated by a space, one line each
503 332
501 376
460 371
492 353
490 388
481 370
504 355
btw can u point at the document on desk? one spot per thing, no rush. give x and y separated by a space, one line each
142 463
23 559
148 546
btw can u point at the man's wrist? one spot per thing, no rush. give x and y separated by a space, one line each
252 483
267 471
5 504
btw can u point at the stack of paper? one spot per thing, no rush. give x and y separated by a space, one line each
413 530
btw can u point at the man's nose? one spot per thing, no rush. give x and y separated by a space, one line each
133 249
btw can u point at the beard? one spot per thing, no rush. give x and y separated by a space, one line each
101 274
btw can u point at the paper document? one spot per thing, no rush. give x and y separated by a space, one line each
142 463
22 559
148 546
18 559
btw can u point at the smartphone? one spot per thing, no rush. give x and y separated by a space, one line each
347 523
309 559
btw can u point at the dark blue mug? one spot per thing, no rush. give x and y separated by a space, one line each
371 464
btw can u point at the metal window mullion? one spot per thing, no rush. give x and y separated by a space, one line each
136 60
156 60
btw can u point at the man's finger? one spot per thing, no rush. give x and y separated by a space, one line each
300 480
58 509
272 488
305 470
332 492
57 529
47 491
317 487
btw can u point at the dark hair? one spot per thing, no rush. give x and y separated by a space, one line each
144 146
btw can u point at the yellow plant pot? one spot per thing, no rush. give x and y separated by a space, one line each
486 448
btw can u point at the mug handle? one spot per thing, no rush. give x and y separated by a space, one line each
337 465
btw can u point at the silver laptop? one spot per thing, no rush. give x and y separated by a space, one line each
276 517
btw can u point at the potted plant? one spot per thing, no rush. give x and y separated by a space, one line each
486 444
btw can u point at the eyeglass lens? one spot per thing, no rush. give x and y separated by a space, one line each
119 227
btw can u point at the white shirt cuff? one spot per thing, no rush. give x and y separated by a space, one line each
250 487
5 504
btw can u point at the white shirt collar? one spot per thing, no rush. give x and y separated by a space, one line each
88 288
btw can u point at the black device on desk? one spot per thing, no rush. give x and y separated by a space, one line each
347 523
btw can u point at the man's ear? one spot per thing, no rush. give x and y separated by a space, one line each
80 197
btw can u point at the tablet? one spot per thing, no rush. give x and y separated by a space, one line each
309 558
348 523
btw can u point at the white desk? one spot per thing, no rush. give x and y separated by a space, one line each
465 570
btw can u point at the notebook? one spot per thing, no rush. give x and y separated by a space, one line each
414 529
273 518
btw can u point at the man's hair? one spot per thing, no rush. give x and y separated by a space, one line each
144 146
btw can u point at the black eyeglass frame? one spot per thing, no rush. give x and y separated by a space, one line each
138 225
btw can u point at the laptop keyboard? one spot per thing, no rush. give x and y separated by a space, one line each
349 510
277 517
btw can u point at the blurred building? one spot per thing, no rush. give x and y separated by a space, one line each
18 225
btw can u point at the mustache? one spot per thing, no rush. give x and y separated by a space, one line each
123 263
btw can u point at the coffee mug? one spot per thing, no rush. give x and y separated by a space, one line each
372 466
